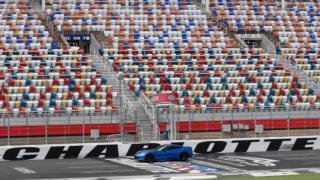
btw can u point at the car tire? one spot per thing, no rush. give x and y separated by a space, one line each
149 158
183 157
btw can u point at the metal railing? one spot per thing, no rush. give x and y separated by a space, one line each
237 124
132 112
150 111
188 124
65 128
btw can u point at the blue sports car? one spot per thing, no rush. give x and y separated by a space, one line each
164 153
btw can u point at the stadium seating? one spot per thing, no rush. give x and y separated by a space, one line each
205 76
22 29
296 27
156 46
171 47
37 77
53 80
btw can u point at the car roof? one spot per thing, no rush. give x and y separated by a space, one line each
171 145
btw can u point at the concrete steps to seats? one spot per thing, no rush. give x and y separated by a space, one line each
53 31
102 40
143 122
218 23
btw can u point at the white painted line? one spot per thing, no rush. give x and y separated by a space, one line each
138 178
144 166
82 163
303 158
87 167
165 176
249 160
115 171
146 177
315 171
226 162
24 170
193 177
219 166
270 173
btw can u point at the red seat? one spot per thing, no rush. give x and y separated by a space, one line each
86 102
40 103
2 97
32 89
49 89
109 101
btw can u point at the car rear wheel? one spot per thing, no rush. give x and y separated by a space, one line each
183 157
149 158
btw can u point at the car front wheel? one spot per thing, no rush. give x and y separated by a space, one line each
183 157
149 158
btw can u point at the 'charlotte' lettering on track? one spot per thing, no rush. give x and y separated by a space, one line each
117 150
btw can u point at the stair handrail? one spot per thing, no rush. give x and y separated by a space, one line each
150 111
132 111
302 74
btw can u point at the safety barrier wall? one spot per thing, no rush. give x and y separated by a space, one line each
115 150
114 128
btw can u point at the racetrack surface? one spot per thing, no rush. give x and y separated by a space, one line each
216 165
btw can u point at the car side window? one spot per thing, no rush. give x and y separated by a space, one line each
172 147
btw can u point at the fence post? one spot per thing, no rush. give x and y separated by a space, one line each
8 131
254 124
176 120
189 127
289 121
307 119
222 118
46 129
27 127
213 122
272 125
121 124
83 128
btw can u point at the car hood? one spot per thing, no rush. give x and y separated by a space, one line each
144 152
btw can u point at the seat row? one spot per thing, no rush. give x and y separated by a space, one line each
58 110
248 107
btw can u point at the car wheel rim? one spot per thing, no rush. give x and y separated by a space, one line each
149 159
183 157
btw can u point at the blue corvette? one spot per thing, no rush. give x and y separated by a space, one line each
164 153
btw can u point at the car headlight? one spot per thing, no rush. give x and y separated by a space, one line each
141 154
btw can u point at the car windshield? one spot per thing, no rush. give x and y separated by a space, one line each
160 148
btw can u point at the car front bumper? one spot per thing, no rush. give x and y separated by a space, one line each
139 158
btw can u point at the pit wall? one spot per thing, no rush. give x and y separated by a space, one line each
115 150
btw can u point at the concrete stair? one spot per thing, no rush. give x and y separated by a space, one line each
218 23
302 75
53 31
102 40
125 96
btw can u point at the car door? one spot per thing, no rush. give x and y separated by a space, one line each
170 152
174 152
161 153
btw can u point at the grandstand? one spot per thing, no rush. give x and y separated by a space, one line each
105 60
